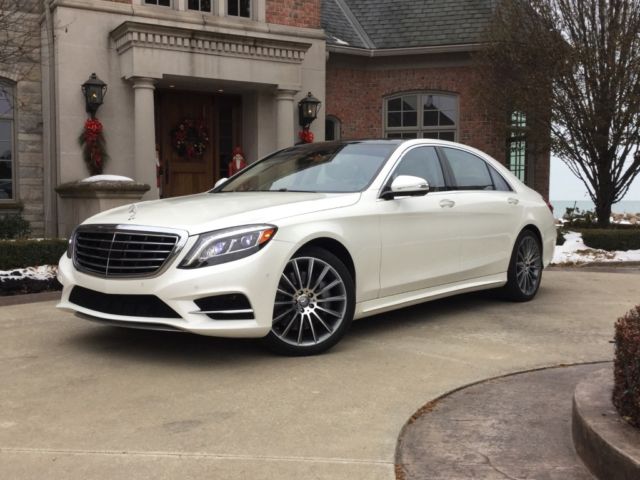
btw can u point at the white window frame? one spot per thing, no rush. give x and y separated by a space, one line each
218 8
420 129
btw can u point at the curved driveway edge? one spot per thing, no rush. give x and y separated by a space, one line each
513 426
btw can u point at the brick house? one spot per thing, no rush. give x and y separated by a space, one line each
404 69
238 68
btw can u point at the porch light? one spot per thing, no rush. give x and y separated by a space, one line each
308 110
94 91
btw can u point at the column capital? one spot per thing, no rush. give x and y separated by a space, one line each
286 93
143 82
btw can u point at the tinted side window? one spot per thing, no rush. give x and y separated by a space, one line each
470 172
499 182
422 162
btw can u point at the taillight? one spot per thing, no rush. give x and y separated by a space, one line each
549 204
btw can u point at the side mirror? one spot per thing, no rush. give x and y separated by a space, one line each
407 186
220 182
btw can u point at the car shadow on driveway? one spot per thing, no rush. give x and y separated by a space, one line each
192 350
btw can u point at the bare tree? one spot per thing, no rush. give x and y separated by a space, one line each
574 67
19 39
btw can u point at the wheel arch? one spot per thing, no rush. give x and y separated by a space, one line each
536 231
335 247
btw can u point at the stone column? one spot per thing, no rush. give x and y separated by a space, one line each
145 135
285 118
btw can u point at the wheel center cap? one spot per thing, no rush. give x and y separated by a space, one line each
303 301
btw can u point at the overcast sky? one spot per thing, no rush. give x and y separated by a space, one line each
565 186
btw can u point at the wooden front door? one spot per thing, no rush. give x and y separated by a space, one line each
187 169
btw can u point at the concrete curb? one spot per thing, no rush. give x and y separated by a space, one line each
608 446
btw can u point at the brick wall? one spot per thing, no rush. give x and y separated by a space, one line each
355 96
295 13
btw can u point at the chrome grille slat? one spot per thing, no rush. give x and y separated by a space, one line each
120 251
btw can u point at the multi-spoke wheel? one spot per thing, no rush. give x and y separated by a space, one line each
525 268
313 305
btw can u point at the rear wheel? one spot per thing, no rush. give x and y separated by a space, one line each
313 306
525 268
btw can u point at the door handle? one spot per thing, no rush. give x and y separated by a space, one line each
513 201
447 203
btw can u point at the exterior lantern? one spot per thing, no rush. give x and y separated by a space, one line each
308 110
94 91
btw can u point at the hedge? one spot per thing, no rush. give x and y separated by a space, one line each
606 239
626 387
30 253
617 239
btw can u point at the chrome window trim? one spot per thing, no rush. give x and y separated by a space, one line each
183 237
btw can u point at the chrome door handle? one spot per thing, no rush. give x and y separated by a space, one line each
513 201
447 203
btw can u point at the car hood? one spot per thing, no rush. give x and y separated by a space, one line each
211 211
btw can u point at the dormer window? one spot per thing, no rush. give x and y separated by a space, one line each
239 8
200 5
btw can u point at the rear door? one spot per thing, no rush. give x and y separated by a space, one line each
489 210
420 236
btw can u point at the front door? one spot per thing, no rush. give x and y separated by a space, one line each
197 133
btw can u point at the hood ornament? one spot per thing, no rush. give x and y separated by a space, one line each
133 210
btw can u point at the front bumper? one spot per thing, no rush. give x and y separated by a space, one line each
256 277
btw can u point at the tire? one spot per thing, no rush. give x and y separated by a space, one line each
314 304
525 268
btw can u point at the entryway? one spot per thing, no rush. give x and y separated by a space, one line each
195 135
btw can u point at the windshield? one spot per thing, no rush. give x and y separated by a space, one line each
326 168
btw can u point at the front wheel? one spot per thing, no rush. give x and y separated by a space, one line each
525 268
314 304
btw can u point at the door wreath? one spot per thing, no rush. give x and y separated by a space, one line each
190 140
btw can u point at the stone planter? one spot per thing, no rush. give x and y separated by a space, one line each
80 200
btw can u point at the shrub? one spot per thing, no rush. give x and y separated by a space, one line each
30 253
612 239
12 225
626 387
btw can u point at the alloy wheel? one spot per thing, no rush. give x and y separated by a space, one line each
528 265
311 302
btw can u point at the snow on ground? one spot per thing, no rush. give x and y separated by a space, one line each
43 272
575 251
106 178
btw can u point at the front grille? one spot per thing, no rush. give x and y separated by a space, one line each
148 306
122 253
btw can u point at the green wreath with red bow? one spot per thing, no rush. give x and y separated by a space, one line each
190 140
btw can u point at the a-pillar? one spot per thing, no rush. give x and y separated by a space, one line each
145 134
285 117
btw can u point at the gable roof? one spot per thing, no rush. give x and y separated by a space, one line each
385 24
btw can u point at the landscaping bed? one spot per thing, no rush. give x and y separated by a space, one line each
17 273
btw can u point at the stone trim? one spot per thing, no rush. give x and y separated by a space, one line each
133 34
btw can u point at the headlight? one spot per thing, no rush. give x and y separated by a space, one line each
226 245
70 244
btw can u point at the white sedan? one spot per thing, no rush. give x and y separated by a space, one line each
300 243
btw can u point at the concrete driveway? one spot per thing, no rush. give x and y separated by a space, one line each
81 401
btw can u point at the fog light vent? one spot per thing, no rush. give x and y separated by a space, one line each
232 306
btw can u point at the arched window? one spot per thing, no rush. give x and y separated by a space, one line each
7 142
332 128
422 115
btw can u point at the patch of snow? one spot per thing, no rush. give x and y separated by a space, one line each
43 272
575 251
339 41
106 178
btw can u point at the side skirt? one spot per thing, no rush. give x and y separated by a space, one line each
385 304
